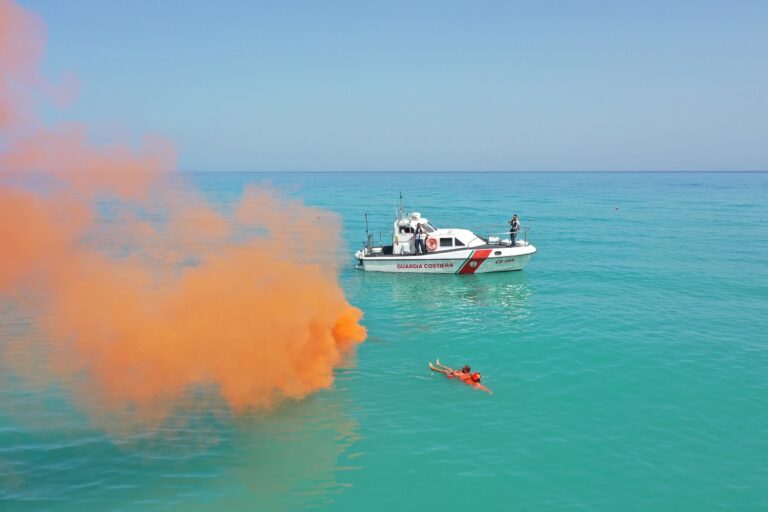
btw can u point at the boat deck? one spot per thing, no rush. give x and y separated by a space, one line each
386 251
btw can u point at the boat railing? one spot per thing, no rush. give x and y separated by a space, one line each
493 235
372 238
494 232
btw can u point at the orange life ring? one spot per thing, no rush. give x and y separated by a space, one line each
431 244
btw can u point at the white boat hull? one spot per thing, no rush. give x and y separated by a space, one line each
468 261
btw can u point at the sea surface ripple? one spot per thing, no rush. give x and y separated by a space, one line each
629 365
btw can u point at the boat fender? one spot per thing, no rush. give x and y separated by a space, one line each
431 244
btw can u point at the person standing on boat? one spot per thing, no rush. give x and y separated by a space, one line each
418 238
514 228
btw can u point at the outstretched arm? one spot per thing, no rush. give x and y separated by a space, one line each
480 386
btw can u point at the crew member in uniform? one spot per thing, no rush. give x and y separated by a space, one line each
420 247
514 228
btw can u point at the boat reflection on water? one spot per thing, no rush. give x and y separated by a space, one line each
423 302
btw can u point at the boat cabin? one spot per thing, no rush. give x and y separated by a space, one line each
437 240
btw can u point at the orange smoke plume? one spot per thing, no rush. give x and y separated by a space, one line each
162 294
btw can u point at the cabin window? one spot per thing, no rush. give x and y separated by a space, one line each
428 227
446 242
458 243
497 253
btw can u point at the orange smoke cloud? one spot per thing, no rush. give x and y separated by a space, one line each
163 294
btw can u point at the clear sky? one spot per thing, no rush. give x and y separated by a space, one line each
421 85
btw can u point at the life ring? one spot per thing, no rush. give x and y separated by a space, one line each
431 244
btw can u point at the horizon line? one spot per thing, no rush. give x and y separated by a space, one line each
488 172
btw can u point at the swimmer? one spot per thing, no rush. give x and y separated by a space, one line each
471 379
462 374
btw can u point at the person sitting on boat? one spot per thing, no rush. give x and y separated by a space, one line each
471 379
514 228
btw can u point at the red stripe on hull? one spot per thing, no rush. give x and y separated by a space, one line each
475 261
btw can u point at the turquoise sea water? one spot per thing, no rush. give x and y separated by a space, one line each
629 364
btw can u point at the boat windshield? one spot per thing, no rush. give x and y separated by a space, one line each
428 227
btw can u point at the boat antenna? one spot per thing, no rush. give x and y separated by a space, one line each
401 204
367 236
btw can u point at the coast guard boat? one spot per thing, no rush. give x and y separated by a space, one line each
449 251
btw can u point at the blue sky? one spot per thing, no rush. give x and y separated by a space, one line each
359 85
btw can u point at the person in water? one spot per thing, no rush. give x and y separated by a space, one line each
462 374
465 375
